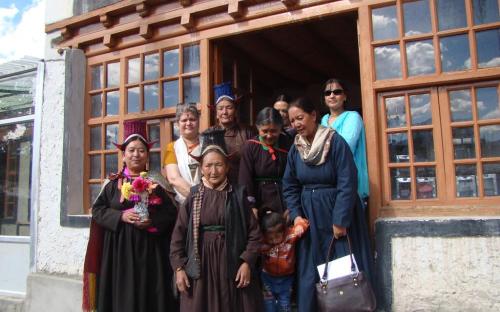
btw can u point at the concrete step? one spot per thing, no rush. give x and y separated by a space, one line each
11 304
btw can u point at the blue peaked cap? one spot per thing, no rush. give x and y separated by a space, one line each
223 91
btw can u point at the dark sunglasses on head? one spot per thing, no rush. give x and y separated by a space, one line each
335 92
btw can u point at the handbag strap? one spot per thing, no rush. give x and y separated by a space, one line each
324 278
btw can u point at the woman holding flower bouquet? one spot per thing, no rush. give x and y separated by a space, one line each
126 266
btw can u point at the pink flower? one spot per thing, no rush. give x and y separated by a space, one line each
135 198
140 184
154 200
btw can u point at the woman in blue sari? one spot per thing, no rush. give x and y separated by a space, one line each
350 126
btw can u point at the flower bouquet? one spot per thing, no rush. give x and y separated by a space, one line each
140 191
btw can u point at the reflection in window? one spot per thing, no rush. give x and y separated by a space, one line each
16 94
395 112
400 183
170 63
96 105
488 106
113 76
426 182
460 105
488 48
491 179
398 147
175 131
191 58
387 62
192 90
490 140
451 14
170 93
423 145
155 161
154 134
420 109
111 136
420 57
385 23
111 163
95 138
151 97
463 143
134 70
94 190
112 102
96 77
95 166
455 54
466 180
485 11
133 104
151 66
417 19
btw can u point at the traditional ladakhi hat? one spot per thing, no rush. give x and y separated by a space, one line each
133 129
212 139
224 91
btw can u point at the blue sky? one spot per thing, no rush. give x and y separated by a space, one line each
22 25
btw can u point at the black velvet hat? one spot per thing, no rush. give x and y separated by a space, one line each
212 139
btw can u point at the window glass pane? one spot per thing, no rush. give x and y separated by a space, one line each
15 175
423 145
175 131
95 166
111 136
111 163
490 140
151 66
133 105
451 14
466 180
96 77
417 18
385 23
96 105
488 106
491 179
488 48
455 53
95 138
154 161
395 112
170 62
94 190
388 62
192 90
191 58
400 183
113 75
420 58
151 97
154 134
112 102
485 11
460 105
134 70
426 182
16 95
420 107
170 93
463 143
398 147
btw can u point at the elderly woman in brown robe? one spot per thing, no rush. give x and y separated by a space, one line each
215 242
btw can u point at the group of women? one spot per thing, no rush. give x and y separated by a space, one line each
219 183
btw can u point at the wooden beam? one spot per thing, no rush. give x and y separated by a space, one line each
187 20
146 31
235 8
142 9
109 41
106 20
185 3
66 33
289 3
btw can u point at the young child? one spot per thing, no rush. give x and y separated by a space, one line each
278 260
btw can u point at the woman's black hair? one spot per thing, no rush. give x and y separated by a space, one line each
304 104
331 81
270 219
135 138
282 98
267 116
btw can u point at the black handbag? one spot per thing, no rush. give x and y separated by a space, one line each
349 293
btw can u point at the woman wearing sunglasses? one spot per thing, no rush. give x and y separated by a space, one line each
350 126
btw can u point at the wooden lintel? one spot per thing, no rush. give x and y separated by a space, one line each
187 20
106 20
66 33
289 3
146 31
185 3
109 41
142 9
235 9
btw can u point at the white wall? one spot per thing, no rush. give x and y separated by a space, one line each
446 274
59 10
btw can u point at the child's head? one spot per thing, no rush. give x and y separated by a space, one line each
273 226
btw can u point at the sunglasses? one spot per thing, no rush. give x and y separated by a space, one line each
335 92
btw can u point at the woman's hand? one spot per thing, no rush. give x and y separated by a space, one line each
129 216
144 224
256 213
243 275
339 231
182 281
298 219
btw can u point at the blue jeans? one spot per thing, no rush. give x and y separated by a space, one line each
277 291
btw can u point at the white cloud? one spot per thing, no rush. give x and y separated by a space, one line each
27 38
420 58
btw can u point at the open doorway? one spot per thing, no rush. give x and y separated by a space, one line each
294 59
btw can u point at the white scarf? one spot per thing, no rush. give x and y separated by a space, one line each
183 162
315 153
